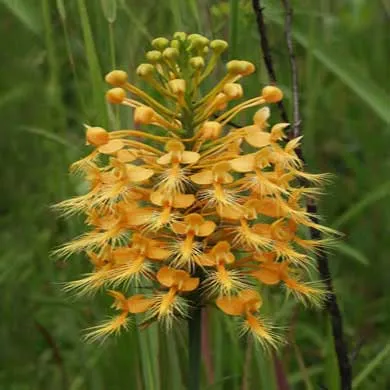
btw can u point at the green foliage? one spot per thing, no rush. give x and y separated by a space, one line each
51 82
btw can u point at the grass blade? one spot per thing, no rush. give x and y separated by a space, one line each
372 197
371 366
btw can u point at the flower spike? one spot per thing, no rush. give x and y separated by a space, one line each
204 213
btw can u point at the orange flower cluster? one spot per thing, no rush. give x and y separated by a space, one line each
205 209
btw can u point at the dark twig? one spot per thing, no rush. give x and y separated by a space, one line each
57 358
265 48
295 128
322 259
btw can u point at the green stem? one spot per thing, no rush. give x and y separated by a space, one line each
194 336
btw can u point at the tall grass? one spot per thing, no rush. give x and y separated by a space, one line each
51 83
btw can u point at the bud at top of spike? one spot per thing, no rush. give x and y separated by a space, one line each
145 70
191 37
115 95
200 42
96 136
153 56
272 94
233 90
117 78
197 62
218 46
237 67
177 86
249 68
143 115
175 43
211 130
160 43
171 53
180 35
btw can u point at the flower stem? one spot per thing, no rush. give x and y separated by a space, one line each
194 352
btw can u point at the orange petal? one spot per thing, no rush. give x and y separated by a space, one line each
206 261
190 284
206 229
125 155
189 157
139 304
157 253
183 201
244 164
156 198
250 295
166 276
229 212
165 159
203 177
230 305
258 138
124 255
179 227
266 276
139 217
138 174
261 116
111 147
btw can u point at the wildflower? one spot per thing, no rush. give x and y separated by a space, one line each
203 213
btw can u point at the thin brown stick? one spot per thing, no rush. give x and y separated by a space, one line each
322 259
295 127
266 50
57 357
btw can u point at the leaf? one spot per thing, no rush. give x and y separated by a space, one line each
48 135
352 252
61 9
26 12
370 198
370 367
109 10
343 67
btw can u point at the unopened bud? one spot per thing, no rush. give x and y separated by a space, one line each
115 95
170 53
153 56
199 42
249 68
242 68
191 37
233 90
197 62
143 115
145 70
272 94
181 36
175 43
177 86
160 43
211 130
234 67
117 78
218 46
220 101
96 136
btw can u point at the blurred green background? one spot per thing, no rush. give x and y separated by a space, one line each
54 56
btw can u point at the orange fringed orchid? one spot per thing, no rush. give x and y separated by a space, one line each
202 213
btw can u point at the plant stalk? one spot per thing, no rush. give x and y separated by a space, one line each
194 352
